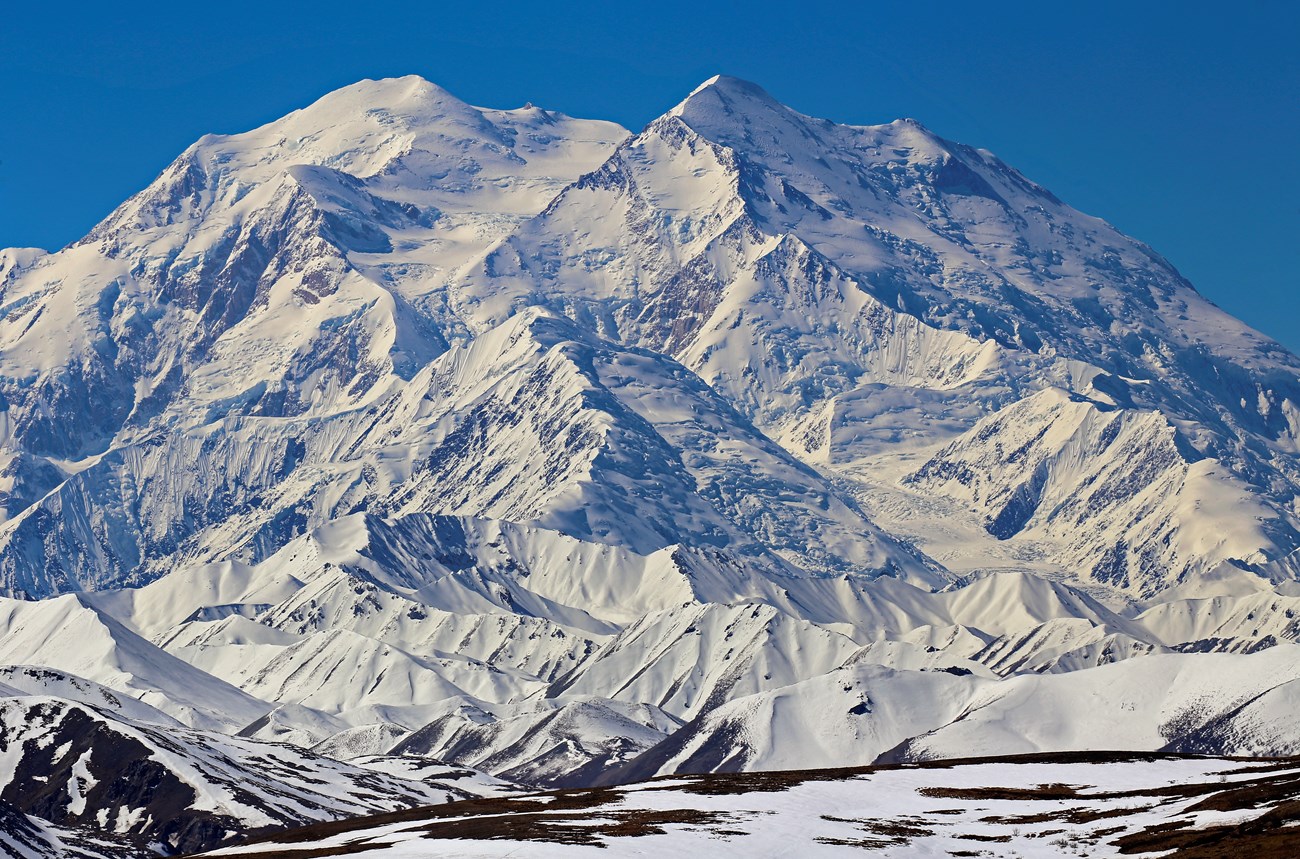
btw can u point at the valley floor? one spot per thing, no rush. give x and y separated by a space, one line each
1088 804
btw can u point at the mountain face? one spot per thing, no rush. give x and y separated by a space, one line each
812 266
148 784
424 439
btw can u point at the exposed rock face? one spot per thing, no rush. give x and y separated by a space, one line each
150 788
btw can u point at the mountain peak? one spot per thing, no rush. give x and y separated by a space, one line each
723 94
733 86
358 128
380 92
739 113
410 96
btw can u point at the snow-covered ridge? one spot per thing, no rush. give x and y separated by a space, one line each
179 790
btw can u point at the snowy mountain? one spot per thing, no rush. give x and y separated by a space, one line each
801 268
25 837
401 449
867 713
65 634
178 791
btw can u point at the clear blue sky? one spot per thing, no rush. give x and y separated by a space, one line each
1178 122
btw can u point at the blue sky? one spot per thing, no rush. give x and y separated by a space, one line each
1177 122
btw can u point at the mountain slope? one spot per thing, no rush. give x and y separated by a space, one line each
178 791
809 271
65 634
245 281
1225 704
